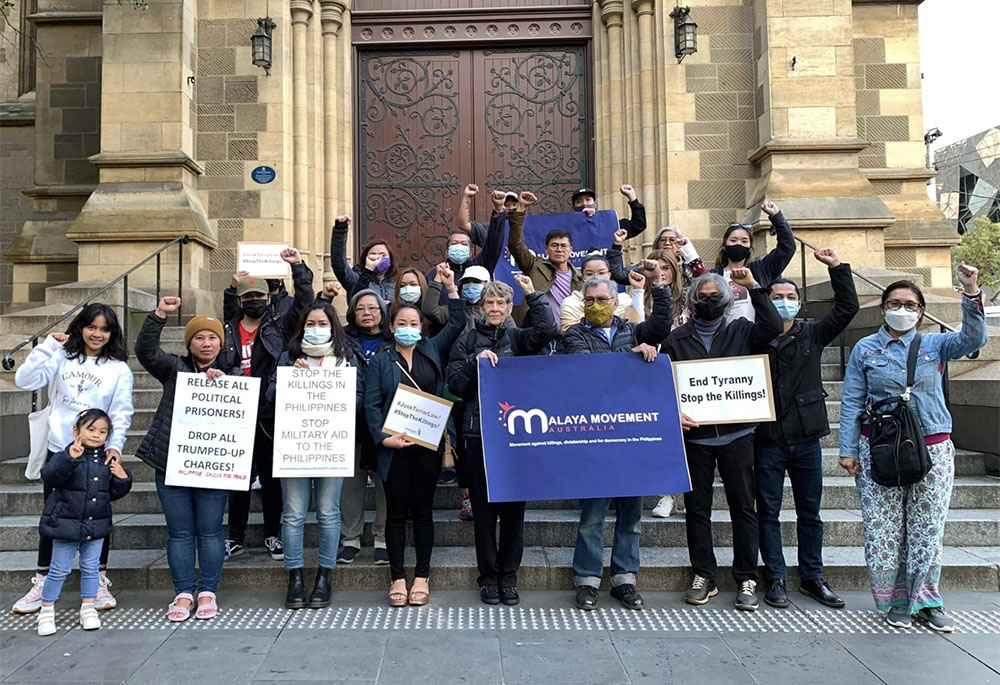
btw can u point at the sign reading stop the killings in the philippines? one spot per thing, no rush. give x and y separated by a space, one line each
314 421
212 432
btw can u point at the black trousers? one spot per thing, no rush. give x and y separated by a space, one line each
498 564
45 542
270 493
736 464
409 492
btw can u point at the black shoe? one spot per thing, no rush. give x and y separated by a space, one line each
346 555
509 596
776 595
700 591
233 547
489 594
381 556
320 596
586 597
746 596
820 590
295 598
628 596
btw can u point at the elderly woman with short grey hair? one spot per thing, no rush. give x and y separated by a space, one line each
708 335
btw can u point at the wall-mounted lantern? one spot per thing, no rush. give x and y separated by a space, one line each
260 43
685 33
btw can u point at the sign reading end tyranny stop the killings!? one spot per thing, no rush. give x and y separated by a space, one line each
728 390
212 432
580 426
314 420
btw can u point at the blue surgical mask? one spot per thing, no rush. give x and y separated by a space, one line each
472 292
787 309
409 293
458 254
406 336
320 335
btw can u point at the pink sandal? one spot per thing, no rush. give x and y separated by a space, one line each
174 608
207 611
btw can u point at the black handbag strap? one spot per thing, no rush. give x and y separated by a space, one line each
911 366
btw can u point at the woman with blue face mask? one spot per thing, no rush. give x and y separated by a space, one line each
318 340
409 471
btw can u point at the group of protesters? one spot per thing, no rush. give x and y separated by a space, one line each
430 331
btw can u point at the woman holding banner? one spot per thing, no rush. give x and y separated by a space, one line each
492 339
84 368
710 334
408 470
318 340
194 515
904 525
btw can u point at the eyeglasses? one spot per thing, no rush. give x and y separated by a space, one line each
597 300
746 227
556 247
669 241
894 305
714 297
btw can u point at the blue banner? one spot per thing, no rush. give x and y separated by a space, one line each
587 232
580 426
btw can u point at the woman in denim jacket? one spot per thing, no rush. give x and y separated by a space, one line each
904 526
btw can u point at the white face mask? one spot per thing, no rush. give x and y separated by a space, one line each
900 319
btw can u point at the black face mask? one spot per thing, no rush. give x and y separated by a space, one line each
255 308
710 310
736 253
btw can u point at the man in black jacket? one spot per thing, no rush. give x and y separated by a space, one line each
792 443
280 300
585 200
254 342
709 335
459 252
492 339
602 331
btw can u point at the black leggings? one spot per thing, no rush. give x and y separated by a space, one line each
409 491
45 542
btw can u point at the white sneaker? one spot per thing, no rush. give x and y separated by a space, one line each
255 485
664 508
88 617
105 600
47 621
32 601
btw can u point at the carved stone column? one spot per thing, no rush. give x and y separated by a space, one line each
302 12
611 15
647 91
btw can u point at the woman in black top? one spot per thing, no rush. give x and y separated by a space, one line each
409 471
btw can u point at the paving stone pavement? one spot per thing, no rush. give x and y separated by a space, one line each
545 640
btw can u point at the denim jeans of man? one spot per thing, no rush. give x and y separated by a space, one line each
588 558
326 499
63 552
804 464
194 522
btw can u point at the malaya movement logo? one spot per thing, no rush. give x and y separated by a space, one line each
509 418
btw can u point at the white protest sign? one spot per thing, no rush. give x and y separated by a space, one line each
212 432
727 390
314 422
262 259
420 415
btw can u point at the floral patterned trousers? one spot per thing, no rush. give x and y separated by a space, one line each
904 531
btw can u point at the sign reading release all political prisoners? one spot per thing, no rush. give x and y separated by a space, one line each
314 422
212 432
727 390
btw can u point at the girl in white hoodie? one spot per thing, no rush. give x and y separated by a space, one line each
84 368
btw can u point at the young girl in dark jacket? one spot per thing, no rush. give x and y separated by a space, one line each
77 514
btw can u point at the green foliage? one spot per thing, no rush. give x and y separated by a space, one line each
981 248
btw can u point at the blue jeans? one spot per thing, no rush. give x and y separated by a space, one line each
194 520
588 558
804 464
63 552
326 498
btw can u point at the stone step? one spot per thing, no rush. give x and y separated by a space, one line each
30 321
543 528
970 492
542 568
967 463
74 293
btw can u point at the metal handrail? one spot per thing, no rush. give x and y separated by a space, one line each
8 359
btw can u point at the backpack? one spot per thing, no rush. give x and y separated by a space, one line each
899 456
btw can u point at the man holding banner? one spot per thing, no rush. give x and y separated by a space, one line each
709 336
601 331
491 339
585 200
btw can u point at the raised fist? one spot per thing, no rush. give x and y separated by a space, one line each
770 208
620 235
167 305
524 283
291 255
628 191
743 277
827 256
239 276
470 190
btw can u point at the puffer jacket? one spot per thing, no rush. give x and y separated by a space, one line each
79 506
164 367
355 278
463 375
584 338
